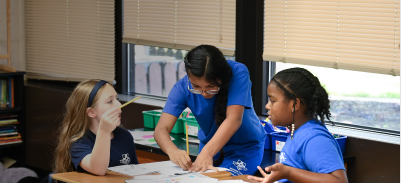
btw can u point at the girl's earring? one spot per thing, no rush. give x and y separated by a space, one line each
292 131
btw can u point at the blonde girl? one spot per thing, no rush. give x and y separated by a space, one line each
91 139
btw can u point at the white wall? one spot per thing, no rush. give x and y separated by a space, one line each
17 17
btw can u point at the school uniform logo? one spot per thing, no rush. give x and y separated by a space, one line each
282 158
125 159
240 166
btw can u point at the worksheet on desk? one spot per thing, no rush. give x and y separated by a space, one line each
163 167
185 178
167 168
144 137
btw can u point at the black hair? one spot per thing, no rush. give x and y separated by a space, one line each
207 61
300 83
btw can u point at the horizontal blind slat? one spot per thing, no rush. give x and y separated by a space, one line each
73 39
355 34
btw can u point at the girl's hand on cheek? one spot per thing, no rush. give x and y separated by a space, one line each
202 163
110 120
277 171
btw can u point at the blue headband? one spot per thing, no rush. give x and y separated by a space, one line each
94 91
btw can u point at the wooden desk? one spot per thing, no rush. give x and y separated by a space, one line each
239 177
75 177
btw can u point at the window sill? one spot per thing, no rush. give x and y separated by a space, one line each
391 139
143 100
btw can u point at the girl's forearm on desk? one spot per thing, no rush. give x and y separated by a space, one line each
98 161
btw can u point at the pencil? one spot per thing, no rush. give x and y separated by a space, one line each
186 131
130 101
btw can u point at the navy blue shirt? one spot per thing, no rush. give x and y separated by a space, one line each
239 93
122 149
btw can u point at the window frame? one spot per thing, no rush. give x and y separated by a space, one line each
249 32
271 72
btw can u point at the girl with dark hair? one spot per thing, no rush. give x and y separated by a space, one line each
310 154
218 92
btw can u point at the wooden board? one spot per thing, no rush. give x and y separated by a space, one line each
75 177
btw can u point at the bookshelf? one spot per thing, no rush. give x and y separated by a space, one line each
12 109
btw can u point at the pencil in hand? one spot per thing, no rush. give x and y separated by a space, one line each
130 101
186 132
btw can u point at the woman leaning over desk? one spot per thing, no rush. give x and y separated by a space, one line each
218 92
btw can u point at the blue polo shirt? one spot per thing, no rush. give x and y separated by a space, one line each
122 149
313 148
239 93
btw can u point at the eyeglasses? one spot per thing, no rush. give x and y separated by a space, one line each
213 92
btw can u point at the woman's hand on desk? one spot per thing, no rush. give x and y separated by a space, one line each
203 162
180 158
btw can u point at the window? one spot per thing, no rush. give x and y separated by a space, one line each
351 46
358 98
156 69
159 34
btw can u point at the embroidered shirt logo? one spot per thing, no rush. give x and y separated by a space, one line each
240 165
282 158
125 159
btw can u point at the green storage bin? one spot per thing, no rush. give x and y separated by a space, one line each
150 118
193 126
177 129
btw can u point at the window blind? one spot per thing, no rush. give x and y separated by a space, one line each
360 35
70 40
180 24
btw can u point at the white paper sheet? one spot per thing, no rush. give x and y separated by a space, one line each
144 137
218 168
165 168
186 178
194 141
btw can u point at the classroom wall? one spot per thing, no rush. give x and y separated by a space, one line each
17 25
45 102
374 161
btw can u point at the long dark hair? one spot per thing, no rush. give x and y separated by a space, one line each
300 83
207 61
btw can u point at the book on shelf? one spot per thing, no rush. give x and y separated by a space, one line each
8 134
12 92
7 92
8 120
7 131
12 123
7 127
11 142
5 122
10 138
8 116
